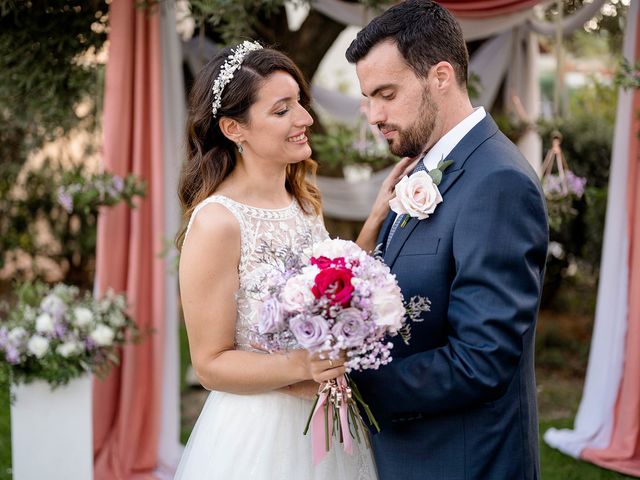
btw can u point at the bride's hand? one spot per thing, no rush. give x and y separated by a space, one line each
307 389
323 369
369 233
380 207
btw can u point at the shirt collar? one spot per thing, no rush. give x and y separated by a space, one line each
447 143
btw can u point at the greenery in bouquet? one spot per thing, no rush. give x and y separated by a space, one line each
343 145
56 333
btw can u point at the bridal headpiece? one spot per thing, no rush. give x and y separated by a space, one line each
233 63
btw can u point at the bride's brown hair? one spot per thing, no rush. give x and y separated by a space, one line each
211 156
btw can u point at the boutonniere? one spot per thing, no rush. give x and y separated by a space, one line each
418 195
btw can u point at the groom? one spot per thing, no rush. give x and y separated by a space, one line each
459 402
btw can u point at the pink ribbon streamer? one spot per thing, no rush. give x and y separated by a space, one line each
319 420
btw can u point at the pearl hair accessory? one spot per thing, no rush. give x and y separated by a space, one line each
233 63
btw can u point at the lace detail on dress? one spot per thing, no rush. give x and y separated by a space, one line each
287 227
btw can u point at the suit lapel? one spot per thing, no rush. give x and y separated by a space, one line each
485 129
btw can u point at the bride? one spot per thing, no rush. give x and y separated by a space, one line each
245 182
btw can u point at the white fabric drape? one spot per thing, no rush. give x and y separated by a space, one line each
569 24
490 63
342 108
350 201
594 421
173 106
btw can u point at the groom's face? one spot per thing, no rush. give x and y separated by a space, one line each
400 102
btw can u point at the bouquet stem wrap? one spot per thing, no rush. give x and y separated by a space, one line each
333 398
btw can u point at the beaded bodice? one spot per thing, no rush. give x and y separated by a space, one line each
288 228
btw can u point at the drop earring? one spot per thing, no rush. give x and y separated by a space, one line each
240 149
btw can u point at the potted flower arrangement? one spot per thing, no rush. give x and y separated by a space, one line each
561 188
560 192
51 341
352 153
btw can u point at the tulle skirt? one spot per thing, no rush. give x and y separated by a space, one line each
259 437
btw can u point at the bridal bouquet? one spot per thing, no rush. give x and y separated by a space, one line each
343 302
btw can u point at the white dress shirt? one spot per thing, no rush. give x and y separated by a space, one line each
447 143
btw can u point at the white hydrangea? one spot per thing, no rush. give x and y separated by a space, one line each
16 334
44 323
116 319
102 335
82 317
67 349
38 346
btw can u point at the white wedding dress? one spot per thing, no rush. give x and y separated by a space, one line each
259 437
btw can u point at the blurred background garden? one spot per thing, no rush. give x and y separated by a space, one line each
53 187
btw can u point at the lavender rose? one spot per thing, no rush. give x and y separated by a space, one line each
271 319
311 332
350 327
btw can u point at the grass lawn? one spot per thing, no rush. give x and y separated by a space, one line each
561 360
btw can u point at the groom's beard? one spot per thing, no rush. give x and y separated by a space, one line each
412 140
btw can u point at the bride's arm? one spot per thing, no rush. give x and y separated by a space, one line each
208 285
369 233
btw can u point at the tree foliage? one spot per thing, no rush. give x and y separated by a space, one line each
43 67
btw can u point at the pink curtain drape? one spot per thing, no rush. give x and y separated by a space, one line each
623 452
486 8
127 403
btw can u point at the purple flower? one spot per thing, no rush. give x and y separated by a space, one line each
118 183
576 184
350 327
65 200
12 355
54 306
4 336
360 146
310 332
59 330
89 343
271 319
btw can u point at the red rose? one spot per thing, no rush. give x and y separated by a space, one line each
321 262
326 262
335 285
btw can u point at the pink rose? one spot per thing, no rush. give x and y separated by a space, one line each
416 196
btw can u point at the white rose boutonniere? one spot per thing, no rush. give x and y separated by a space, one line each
418 196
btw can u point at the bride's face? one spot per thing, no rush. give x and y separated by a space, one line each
278 124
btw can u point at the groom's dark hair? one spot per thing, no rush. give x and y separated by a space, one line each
425 34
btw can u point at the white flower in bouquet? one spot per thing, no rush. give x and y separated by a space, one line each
297 294
389 310
102 335
67 349
82 317
38 346
333 248
44 323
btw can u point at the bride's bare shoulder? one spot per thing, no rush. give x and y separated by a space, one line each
213 226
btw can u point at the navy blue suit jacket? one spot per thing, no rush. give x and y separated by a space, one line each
459 402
